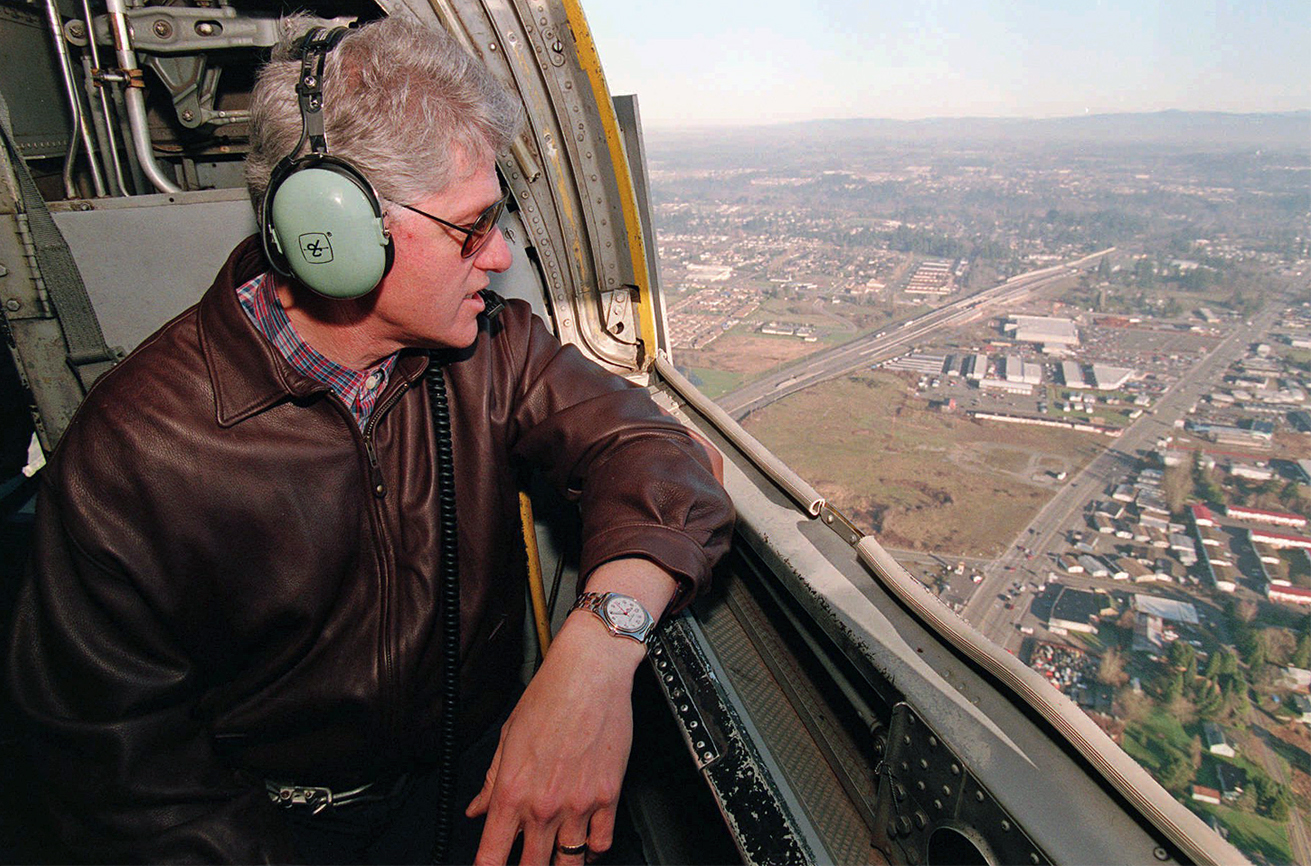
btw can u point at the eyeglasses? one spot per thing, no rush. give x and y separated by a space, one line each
477 232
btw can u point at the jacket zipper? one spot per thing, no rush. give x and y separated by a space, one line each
379 487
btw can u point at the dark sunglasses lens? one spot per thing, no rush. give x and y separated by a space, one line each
482 229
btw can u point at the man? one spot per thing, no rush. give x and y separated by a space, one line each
235 587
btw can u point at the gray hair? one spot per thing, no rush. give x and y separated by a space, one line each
404 103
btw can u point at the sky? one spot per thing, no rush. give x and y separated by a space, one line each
694 62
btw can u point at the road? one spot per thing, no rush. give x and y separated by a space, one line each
1045 532
866 351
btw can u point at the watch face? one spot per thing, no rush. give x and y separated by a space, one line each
625 613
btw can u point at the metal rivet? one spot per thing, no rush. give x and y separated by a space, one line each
13 305
1033 858
955 769
933 742
692 724
924 764
937 804
379 488
946 790
162 29
921 819
707 755
1160 853
1006 825
205 28
978 795
920 784
700 744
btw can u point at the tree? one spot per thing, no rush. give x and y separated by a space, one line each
1176 772
1279 644
1253 649
1172 686
1134 705
1177 486
1182 655
1195 752
1182 710
1209 699
1111 669
1301 657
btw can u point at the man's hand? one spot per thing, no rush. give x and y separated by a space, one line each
560 763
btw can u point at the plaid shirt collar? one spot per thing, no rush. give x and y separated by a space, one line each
358 390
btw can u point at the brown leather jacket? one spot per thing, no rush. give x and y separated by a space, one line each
219 596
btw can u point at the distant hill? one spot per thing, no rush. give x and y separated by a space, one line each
1206 129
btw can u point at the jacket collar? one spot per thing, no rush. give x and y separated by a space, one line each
247 372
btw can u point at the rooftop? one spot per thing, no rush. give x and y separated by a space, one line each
1165 608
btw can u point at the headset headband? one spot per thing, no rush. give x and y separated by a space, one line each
313 50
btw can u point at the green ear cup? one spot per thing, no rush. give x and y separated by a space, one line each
326 223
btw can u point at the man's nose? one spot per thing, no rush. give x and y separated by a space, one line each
495 255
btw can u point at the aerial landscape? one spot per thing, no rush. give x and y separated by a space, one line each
1061 369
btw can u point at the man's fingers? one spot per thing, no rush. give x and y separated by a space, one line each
602 833
572 842
538 844
498 838
479 804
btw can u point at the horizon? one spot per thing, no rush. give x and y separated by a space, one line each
740 63
656 125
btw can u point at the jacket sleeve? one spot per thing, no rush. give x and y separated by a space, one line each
130 772
645 486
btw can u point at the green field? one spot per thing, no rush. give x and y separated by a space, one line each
715 383
1250 833
1154 738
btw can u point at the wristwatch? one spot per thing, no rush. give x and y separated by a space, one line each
622 614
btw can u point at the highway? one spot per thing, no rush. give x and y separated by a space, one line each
866 351
1045 533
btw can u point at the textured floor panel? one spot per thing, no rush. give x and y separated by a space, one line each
801 759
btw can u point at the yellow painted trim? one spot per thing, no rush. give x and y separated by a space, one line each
590 63
536 589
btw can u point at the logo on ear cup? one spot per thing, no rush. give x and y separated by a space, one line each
315 248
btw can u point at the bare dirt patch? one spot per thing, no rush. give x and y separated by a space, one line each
747 353
918 479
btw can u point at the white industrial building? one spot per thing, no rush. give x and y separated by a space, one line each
1017 370
1072 373
1046 330
1108 378
709 273
977 367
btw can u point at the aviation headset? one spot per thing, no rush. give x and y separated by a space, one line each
321 221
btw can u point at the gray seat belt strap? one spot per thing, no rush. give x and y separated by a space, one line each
88 355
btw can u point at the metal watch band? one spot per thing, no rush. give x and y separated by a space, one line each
597 603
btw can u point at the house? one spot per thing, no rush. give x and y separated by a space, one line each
1206 795
1232 779
1302 708
1216 742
